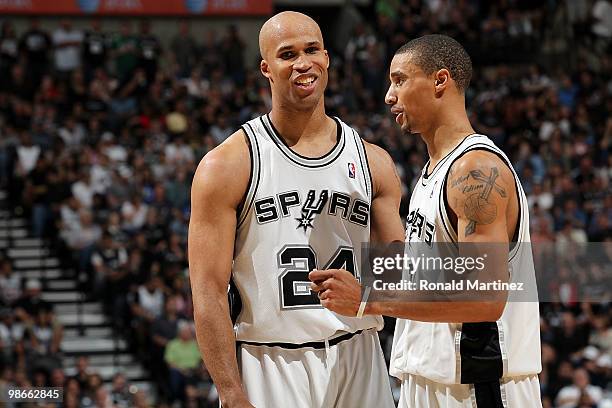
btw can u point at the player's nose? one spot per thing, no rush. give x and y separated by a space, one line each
390 97
302 63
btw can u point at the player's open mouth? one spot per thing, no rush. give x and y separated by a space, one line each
399 115
306 82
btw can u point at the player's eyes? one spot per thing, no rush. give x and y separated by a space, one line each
287 55
311 50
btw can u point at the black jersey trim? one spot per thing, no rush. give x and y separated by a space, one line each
311 344
425 176
284 142
304 161
255 170
368 177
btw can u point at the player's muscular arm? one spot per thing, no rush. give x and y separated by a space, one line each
218 187
386 224
479 187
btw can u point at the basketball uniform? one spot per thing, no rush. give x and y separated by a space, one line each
299 214
469 364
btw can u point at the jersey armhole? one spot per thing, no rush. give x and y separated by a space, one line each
254 175
444 210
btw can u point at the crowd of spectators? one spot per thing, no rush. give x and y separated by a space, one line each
100 134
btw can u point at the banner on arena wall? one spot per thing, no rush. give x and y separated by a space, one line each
137 7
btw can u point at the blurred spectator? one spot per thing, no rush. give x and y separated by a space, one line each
109 261
163 330
12 351
120 395
9 51
125 50
82 372
149 49
95 48
580 393
34 44
67 43
10 283
185 49
134 213
27 307
45 335
233 46
27 154
183 358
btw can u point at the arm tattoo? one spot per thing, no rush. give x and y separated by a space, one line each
477 207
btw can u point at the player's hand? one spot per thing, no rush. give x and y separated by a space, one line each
338 289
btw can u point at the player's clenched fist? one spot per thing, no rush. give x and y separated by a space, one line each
338 290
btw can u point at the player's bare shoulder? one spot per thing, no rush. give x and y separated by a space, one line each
382 167
479 187
225 170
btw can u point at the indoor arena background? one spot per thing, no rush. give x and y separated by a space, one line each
103 121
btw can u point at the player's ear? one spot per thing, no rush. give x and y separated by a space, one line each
264 68
327 57
441 81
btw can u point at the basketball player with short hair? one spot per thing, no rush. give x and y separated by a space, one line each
289 192
454 354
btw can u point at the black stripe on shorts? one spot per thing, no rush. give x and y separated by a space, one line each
488 395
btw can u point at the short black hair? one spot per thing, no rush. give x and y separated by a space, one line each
435 51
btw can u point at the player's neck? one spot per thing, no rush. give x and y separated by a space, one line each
451 128
295 125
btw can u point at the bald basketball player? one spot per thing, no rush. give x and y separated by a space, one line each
291 191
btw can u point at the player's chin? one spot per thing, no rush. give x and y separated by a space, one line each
406 129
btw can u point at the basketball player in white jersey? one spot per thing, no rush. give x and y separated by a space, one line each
291 191
455 354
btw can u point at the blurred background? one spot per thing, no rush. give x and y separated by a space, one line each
106 107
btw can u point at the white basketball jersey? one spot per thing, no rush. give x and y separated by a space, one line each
439 351
299 214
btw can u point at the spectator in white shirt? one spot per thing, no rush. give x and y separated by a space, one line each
178 153
72 133
581 393
10 283
69 213
83 190
101 176
27 154
67 42
134 213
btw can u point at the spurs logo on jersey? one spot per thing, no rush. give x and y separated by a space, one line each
272 208
299 214
417 227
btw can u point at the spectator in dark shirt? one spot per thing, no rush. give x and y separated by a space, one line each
28 306
149 49
185 49
35 45
9 51
95 49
